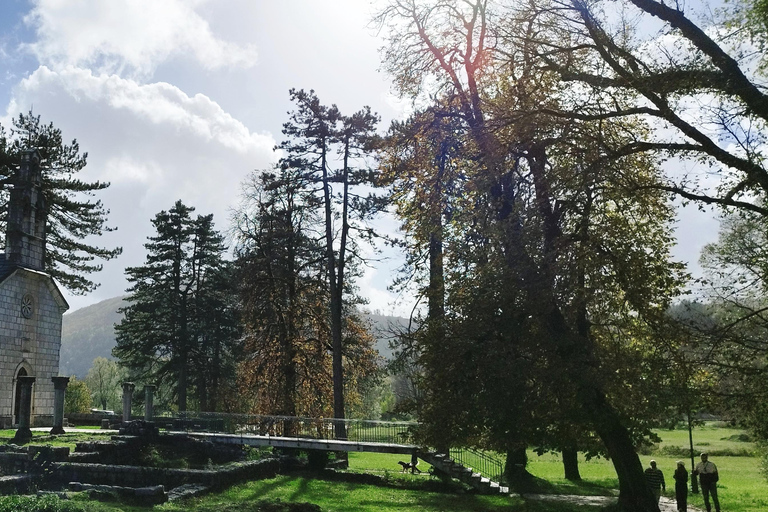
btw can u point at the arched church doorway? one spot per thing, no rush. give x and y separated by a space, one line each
17 395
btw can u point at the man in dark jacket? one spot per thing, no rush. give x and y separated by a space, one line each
655 479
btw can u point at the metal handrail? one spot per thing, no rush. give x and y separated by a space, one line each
390 432
480 462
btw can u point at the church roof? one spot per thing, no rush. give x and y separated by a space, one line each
7 269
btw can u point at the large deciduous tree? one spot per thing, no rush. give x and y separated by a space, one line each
73 218
698 81
550 251
179 322
283 297
104 379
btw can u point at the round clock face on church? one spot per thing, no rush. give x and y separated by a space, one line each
27 306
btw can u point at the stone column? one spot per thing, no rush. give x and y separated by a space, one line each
149 407
24 434
127 399
59 388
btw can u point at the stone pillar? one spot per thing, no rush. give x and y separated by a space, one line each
24 434
127 399
149 407
59 389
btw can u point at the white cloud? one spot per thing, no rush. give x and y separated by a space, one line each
123 77
129 36
157 104
154 143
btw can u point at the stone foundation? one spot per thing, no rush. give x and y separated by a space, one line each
136 476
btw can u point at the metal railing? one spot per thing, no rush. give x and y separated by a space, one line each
390 432
364 431
480 462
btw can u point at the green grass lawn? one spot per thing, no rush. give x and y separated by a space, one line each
742 487
353 497
385 465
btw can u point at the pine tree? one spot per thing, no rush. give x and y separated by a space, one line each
327 147
72 216
214 317
177 321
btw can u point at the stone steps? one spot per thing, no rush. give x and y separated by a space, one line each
449 466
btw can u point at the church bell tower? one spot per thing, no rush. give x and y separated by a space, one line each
27 213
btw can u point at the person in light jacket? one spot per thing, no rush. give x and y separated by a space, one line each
708 477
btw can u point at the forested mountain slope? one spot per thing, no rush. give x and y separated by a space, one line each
88 333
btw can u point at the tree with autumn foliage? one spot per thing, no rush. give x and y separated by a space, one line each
287 364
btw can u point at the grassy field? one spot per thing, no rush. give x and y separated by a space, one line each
742 488
70 440
376 482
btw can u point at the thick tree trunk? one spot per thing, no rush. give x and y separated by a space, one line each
571 463
289 386
182 385
335 292
518 477
634 493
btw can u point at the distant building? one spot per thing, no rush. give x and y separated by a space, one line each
31 304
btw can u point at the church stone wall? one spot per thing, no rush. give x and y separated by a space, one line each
32 342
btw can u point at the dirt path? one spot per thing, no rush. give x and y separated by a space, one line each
665 504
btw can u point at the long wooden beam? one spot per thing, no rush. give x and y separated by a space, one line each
303 443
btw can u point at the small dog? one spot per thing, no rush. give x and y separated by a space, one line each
409 465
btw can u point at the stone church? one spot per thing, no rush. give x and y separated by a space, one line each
31 304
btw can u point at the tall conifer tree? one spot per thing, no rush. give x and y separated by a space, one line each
177 322
72 216
330 150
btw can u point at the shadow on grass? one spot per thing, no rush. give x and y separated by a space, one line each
578 487
265 487
349 492
301 490
428 485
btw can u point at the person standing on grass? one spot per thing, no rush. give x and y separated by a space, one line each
708 477
655 479
681 487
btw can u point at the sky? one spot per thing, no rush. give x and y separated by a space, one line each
183 99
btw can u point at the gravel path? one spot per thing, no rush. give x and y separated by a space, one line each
665 504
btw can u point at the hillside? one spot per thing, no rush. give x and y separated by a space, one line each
385 328
88 333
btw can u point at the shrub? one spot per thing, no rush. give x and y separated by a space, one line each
646 448
739 438
682 452
47 503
